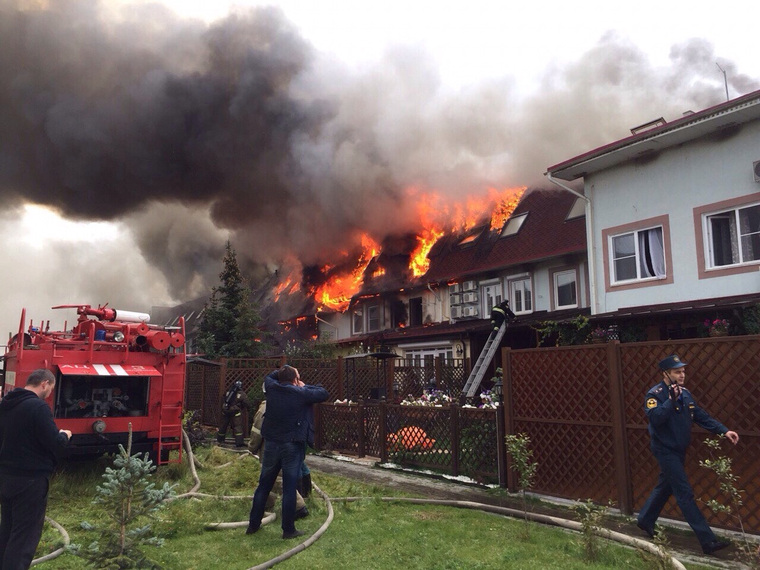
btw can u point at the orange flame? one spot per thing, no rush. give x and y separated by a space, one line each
419 262
337 291
437 217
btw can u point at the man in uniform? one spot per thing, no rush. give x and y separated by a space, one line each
235 399
671 410
500 313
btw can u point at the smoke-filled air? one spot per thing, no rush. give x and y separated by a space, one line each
186 134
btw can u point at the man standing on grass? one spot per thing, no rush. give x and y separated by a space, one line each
285 431
671 410
29 440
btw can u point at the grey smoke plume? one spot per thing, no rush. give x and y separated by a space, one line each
190 134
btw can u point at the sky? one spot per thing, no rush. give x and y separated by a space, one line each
139 136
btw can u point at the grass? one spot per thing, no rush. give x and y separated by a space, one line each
364 534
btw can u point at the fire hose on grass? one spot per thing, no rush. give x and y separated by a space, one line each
504 511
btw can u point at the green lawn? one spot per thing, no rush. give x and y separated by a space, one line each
365 534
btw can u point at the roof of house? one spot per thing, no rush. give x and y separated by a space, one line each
645 144
545 233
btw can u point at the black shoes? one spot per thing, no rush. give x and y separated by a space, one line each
302 513
251 530
714 546
649 531
294 534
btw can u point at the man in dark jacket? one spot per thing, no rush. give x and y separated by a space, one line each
671 410
235 399
285 430
29 440
500 313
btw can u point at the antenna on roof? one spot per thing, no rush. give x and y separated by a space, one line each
725 81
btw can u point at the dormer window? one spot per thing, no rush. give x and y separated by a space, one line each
513 225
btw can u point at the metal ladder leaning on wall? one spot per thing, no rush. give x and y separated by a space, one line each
484 360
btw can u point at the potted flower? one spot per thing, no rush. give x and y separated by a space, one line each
598 335
717 327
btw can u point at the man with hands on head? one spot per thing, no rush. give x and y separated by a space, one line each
671 410
285 430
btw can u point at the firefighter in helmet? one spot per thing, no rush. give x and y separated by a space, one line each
235 399
500 313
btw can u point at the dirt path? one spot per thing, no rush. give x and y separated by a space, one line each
683 542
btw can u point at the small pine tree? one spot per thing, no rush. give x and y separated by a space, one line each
126 495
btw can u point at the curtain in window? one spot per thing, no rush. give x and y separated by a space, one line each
749 222
652 252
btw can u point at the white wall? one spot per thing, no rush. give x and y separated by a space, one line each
673 184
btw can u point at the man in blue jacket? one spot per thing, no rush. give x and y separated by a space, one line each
29 440
285 430
671 410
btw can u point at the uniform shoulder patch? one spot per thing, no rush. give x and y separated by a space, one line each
651 403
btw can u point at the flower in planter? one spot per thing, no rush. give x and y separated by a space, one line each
599 334
717 327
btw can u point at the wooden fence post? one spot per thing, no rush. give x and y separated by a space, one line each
623 479
361 413
383 431
341 365
454 426
509 418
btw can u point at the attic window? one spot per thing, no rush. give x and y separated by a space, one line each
578 210
513 225
471 237
648 126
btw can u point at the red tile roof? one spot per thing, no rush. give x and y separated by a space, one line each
545 233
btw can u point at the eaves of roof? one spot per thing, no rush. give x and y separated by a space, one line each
683 307
693 126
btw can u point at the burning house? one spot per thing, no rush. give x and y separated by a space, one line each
430 294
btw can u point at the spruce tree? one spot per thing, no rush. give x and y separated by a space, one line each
126 495
230 325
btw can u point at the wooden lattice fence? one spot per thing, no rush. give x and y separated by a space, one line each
445 439
583 408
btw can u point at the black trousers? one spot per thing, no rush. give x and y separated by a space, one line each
23 501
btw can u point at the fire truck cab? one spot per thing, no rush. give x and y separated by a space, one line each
114 371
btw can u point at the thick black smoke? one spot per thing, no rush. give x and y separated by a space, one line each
191 133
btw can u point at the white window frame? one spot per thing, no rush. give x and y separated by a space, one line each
664 221
491 294
420 353
637 255
555 287
515 292
369 310
513 225
357 317
739 245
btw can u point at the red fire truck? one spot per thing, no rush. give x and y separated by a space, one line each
112 369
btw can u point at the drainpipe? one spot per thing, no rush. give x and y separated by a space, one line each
589 241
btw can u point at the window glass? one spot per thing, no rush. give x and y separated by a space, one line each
565 289
491 297
358 320
734 236
638 255
521 298
373 318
